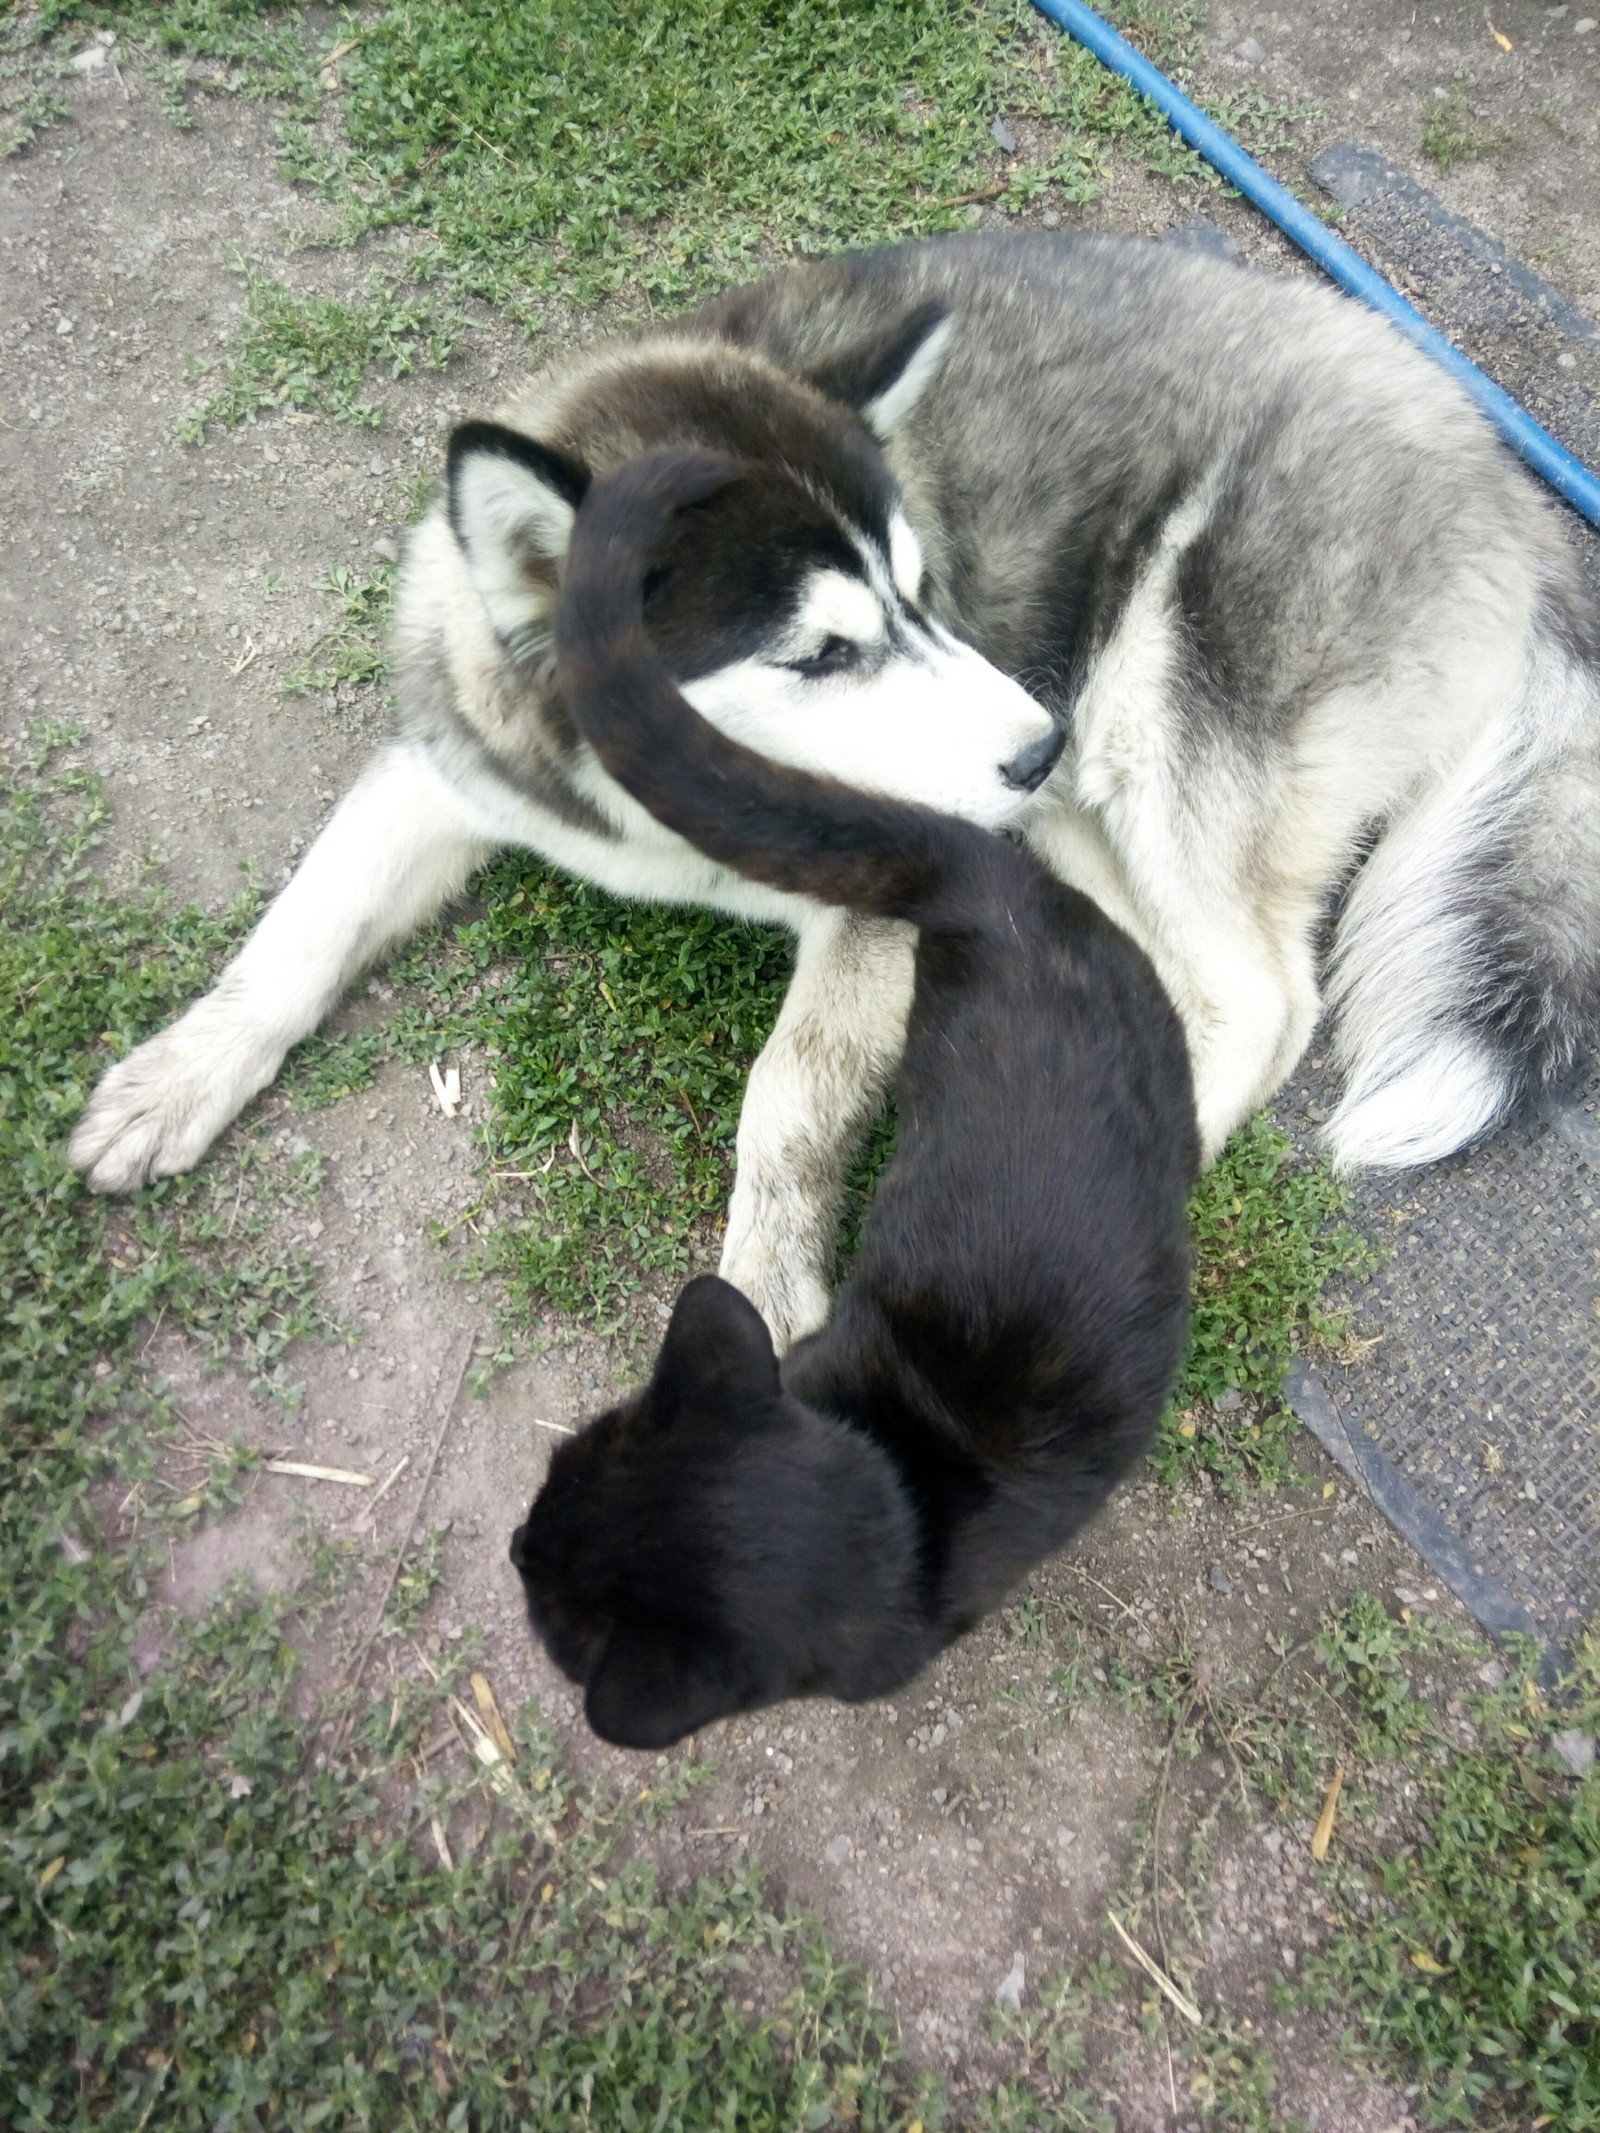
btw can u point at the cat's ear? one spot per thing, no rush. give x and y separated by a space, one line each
512 504
717 1352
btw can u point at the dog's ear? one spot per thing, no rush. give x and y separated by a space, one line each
656 1682
884 376
717 1349
512 504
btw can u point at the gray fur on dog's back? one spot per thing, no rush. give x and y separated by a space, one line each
1093 388
1371 624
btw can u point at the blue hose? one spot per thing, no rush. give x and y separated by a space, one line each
1568 476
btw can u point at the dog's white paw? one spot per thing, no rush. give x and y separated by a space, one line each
159 1110
783 1289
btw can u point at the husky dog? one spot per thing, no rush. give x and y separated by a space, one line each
1284 596
739 1532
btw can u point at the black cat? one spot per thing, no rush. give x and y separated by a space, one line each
742 1530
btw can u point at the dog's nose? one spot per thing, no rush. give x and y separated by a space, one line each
518 1552
1030 766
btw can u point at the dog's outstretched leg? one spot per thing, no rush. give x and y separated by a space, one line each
399 845
811 1094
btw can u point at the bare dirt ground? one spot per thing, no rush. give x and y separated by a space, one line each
156 594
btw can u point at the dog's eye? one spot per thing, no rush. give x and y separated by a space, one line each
835 655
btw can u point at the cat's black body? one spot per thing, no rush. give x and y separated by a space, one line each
740 1531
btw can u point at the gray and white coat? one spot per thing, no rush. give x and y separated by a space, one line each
1204 582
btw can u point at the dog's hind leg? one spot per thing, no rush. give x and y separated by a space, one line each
811 1094
1237 963
1234 943
1248 1013
398 846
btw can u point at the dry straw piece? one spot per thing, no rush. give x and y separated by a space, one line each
1153 1970
1323 1832
302 1471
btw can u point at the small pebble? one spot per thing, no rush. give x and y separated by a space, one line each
1249 50
1575 1749
91 60
1008 1993
1218 1579
1004 138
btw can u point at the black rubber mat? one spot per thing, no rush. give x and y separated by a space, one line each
1467 1398
1472 1367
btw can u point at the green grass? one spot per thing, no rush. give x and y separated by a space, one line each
1461 1942
260 46
90 971
204 1920
581 150
316 351
588 148
618 1037
1468 1956
1270 1237
207 1925
355 649
24 117
201 1952
584 144
1267 125
648 154
1454 134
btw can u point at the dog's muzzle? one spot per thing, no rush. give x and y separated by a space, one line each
1030 766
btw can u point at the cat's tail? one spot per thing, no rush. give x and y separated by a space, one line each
789 828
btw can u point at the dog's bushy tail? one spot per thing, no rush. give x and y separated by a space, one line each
788 828
1466 967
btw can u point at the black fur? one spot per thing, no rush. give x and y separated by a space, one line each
740 1531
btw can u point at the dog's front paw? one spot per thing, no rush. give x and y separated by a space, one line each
159 1110
783 1289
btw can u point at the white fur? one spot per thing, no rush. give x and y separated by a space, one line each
1417 1107
1415 1087
399 844
938 729
506 515
810 1095
905 556
834 605
1127 831
930 720
891 407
